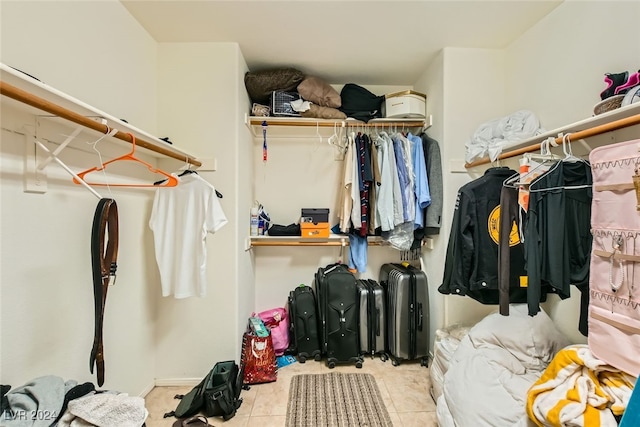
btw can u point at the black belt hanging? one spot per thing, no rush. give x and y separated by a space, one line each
104 253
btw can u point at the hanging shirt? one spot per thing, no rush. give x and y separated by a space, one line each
403 176
384 202
180 219
375 187
422 195
366 177
356 212
433 213
411 187
347 182
558 232
398 217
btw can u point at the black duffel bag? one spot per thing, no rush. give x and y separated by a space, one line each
359 103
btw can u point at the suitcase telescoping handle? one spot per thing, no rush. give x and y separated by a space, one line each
420 316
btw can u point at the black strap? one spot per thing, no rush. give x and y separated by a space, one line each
228 409
104 253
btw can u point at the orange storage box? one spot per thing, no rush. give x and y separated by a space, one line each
314 230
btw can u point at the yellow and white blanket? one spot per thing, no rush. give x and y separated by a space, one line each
577 389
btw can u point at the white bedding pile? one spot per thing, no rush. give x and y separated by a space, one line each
446 342
494 366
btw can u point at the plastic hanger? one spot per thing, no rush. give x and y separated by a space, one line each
568 152
195 173
569 157
189 171
172 181
517 180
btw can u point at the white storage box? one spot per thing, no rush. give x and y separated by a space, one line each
405 104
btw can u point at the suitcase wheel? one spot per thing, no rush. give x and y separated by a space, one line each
317 357
331 364
302 359
384 357
424 362
394 362
359 364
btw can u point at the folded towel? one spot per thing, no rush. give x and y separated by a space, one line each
577 389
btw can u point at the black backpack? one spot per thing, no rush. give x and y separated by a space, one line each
359 103
217 394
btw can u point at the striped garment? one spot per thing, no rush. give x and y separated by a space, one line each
577 389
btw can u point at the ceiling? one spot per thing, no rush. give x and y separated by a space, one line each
364 42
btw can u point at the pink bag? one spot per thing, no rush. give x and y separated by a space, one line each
277 320
614 277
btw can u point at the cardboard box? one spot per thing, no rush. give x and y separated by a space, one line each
320 230
406 104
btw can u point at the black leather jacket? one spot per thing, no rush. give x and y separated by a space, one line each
471 266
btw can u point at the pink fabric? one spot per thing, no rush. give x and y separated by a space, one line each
614 316
277 320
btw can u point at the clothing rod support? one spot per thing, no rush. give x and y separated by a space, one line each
57 151
65 167
57 110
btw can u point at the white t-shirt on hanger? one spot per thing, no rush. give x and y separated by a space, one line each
180 219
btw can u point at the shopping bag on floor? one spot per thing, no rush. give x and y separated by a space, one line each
258 359
277 321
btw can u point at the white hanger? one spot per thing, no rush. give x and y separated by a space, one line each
568 152
569 157
545 155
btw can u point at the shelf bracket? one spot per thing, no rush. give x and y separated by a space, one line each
58 150
35 179
35 175
428 121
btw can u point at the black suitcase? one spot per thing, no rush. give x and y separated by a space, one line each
372 319
338 307
407 296
303 320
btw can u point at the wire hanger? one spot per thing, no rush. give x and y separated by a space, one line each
172 181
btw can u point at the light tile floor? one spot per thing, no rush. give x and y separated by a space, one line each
404 389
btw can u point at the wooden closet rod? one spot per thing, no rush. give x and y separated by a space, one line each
298 243
593 131
57 110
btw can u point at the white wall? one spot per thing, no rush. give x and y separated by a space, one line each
556 68
467 102
46 310
431 82
199 105
244 190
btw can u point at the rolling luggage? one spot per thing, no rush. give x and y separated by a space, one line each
338 307
304 323
372 318
407 298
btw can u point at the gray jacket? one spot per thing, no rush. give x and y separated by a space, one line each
433 213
